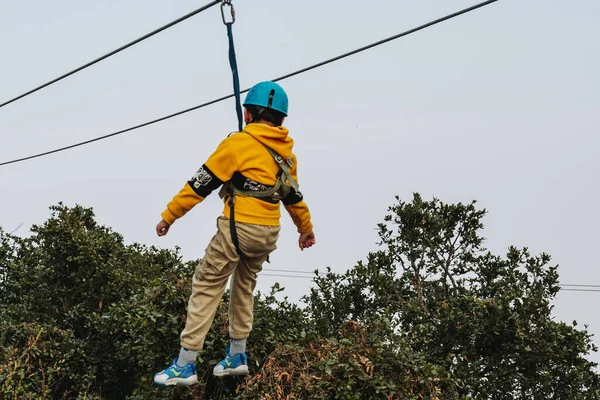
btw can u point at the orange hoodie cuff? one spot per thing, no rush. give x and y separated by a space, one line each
168 216
305 228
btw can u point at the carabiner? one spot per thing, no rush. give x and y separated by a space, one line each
227 3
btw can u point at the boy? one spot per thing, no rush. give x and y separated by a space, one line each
257 170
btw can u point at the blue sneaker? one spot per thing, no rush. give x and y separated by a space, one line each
232 365
176 375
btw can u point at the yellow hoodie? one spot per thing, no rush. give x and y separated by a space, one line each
242 159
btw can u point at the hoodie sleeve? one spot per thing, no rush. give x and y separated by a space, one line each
219 168
296 206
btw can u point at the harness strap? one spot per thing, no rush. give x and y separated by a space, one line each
234 236
250 193
233 62
238 109
285 165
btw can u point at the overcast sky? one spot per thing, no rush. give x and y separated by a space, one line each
500 105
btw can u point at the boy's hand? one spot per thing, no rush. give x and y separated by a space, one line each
162 228
306 240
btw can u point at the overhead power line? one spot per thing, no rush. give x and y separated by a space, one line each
562 289
579 290
578 285
303 70
16 229
112 53
287 276
291 271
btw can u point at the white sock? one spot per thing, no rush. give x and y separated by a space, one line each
237 346
186 357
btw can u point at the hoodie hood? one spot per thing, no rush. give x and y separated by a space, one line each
274 137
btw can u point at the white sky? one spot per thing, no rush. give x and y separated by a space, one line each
500 105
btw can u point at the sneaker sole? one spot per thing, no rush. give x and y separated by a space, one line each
192 380
241 370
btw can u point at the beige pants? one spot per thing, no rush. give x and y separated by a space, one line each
210 279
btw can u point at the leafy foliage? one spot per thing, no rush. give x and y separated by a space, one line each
431 314
484 319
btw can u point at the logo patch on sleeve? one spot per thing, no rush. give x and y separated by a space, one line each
201 178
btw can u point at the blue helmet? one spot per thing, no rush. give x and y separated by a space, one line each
268 95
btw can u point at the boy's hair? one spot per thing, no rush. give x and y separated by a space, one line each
266 114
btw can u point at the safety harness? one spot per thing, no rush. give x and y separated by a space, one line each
284 185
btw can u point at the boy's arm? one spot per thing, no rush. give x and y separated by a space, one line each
298 210
296 206
301 217
199 187
219 168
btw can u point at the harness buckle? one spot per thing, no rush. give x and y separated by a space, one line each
227 3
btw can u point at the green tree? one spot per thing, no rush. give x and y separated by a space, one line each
431 315
484 319
71 277
83 315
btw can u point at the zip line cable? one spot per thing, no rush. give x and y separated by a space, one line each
331 60
112 53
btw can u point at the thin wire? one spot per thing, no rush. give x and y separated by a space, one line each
562 289
580 290
576 285
16 229
287 276
331 60
291 270
112 53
